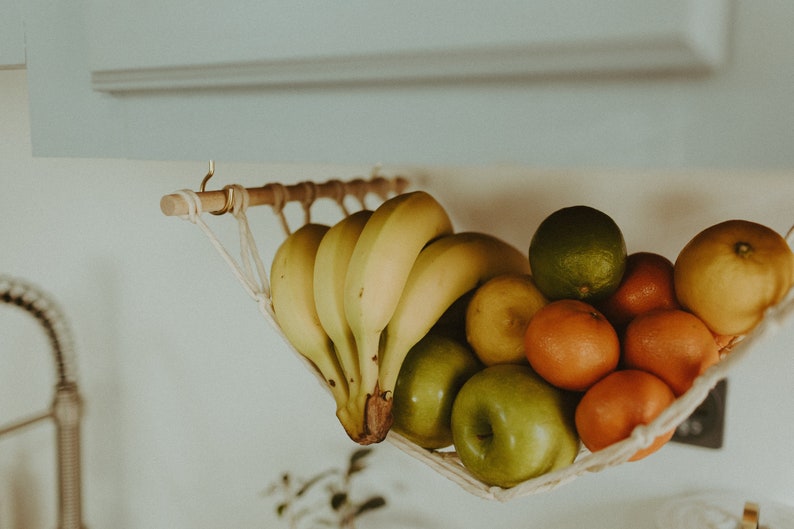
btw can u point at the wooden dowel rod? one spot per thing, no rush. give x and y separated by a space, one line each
215 201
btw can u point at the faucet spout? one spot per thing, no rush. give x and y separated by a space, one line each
66 409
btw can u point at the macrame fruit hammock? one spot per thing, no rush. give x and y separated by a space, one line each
367 416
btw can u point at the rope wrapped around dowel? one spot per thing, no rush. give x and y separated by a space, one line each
277 195
250 271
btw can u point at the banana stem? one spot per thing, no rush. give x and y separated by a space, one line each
378 416
367 417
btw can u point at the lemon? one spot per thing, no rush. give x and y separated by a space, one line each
578 253
730 273
497 317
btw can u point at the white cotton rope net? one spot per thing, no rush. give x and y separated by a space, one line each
251 272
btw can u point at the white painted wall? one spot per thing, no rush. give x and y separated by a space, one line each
193 405
12 36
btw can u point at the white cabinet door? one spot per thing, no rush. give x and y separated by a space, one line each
12 37
165 45
551 83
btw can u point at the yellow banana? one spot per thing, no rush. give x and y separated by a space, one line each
330 269
379 266
292 295
444 271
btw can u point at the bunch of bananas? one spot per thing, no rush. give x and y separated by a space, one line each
355 297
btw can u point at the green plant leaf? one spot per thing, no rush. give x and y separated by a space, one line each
356 460
338 499
375 502
311 482
359 454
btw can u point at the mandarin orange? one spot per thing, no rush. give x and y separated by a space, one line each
673 344
611 409
571 344
647 284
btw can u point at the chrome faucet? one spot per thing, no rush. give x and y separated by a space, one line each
66 408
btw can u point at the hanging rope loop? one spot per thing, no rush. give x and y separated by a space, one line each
279 201
193 205
309 196
339 194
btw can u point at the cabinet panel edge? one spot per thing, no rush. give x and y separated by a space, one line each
679 51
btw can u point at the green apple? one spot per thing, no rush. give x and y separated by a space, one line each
430 377
509 425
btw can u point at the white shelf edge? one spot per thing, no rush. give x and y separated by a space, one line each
643 54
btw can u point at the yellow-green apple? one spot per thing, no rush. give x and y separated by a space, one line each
509 425
497 317
430 377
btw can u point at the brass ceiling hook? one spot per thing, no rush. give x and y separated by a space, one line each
228 190
207 177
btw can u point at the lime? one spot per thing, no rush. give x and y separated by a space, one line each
577 253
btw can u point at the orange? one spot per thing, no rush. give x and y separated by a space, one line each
611 409
673 344
571 344
730 273
647 284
